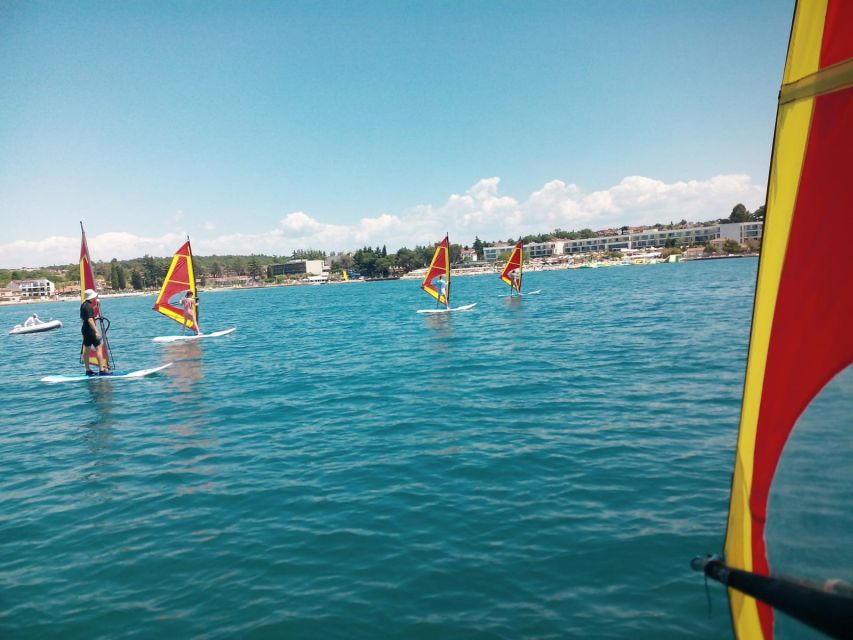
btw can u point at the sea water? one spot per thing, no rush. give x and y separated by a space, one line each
343 467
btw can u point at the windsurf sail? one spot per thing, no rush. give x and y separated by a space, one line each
179 279
800 350
439 268
514 264
87 281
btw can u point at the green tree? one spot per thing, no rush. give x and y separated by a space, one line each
407 259
740 214
136 280
478 247
383 266
732 246
254 268
758 214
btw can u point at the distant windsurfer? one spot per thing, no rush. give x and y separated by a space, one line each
188 303
91 339
441 289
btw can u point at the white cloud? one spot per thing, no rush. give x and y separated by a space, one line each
479 211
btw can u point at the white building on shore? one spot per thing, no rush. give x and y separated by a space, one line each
38 288
741 232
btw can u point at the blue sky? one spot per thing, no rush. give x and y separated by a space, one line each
269 126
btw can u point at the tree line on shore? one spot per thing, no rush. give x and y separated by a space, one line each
148 272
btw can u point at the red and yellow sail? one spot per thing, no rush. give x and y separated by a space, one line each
87 281
440 266
801 329
87 276
512 264
179 279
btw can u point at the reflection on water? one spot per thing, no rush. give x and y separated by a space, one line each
440 328
101 394
186 371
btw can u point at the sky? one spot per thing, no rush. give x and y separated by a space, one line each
264 127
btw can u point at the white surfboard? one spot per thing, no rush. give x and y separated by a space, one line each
192 336
443 310
117 375
529 293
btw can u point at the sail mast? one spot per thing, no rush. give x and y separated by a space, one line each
520 264
447 265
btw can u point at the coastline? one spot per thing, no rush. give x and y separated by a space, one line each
417 274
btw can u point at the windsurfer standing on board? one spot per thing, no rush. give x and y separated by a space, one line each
513 276
91 339
441 289
188 304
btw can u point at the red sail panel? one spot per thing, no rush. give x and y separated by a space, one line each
513 264
179 279
440 266
801 335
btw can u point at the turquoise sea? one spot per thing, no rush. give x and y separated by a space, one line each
342 467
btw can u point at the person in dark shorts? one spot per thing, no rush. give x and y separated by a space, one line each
91 340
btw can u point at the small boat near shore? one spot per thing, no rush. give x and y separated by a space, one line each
36 328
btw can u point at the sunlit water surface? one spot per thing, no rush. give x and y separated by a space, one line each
344 467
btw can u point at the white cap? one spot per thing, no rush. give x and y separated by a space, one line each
90 294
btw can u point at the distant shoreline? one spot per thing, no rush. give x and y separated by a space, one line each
408 276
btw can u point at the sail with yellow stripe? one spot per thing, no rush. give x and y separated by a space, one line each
87 281
179 279
439 268
514 265
792 475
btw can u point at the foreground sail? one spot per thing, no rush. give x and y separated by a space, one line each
513 266
179 279
801 349
87 281
437 280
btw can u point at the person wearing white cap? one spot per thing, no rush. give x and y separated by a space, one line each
91 339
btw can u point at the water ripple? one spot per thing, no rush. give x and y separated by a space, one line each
343 467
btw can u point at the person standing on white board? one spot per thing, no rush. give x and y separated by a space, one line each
188 304
91 340
441 288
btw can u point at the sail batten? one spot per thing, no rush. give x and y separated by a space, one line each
179 279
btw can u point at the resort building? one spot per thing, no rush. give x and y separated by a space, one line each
490 254
544 249
469 255
40 288
741 232
298 267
